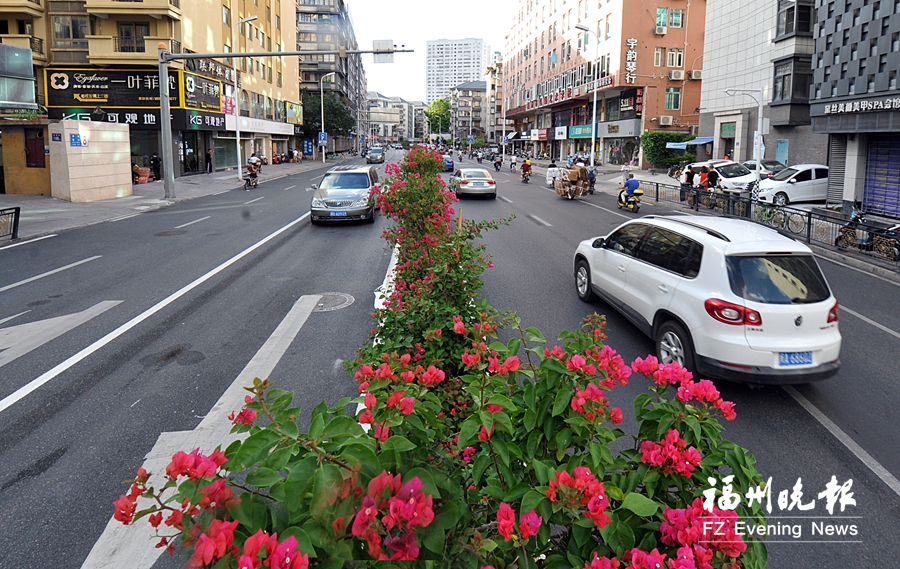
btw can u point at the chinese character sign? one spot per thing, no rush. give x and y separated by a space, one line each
631 61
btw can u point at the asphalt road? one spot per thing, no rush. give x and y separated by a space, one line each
66 447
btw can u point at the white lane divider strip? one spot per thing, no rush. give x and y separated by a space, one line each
256 200
134 546
48 273
867 459
124 217
23 391
881 327
193 222
290 187
539 220
27 242
507 200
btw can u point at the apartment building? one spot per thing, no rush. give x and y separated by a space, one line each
449 63
493 77
641 57
856 103
468 112
390 119
96 60
759 49
326 25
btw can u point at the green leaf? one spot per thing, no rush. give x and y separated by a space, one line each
434 540
512 347
327 483
640 402
534 334
665 422
502 401
342 427
563 438
517 492
541 471
531 446
500 447
531 500
398 443
278 459
694 425
362 454
290 429
468 430
478 468
317 426
562 400
304 545
640 504
254 449
530 420
262 477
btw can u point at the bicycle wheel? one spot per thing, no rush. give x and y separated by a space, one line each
778 220
795 223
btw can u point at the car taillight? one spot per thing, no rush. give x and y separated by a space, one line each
833 313
463 182
770 174
730 313
492 182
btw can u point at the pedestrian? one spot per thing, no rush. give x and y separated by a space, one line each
155 165
704 176
687 181
712 179
209 155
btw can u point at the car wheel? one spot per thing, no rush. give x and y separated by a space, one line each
314 221
583 282
494 196
674 345
371 218
781 199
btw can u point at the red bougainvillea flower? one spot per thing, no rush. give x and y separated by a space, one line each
529 524
126 505
602 563
458 326
645 560
245 417
286 556
506 521
615 415
582 494
406 405
704 531
671 454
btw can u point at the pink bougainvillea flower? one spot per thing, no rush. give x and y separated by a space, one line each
506 521
529 524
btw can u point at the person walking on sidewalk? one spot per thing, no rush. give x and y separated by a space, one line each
209 155
155 164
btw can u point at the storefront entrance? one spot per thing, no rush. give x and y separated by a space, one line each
192 152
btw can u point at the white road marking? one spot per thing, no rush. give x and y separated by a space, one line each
136 402
881 327
193 222
539 220
256 200
867 273
8 318
27 242
71 361
290 188
507 200
873 465
48 273
134 546
18 340
124 217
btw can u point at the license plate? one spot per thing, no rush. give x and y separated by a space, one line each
338 214
794 358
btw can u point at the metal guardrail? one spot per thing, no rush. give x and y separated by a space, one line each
9 222
831 230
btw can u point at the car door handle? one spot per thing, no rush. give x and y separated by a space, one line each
663 288
621 268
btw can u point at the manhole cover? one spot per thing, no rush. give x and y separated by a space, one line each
333 301
170 233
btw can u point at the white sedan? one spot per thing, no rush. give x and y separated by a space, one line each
800 183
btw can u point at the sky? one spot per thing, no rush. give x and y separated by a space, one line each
413 22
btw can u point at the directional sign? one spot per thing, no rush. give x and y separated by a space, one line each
383 46
323 139
471 139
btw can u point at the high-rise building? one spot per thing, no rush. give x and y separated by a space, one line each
468 112
449 63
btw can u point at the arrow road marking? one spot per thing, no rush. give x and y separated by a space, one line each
18 340
48 273
134 546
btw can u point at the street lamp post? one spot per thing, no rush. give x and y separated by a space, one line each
237 98
587 30
757 140
322 104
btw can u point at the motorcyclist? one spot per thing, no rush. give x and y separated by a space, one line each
526 168
512 162
628 188
252 172
552 173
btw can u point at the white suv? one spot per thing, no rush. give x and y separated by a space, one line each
726 298
734 176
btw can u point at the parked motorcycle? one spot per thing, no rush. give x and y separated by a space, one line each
630 201
884 242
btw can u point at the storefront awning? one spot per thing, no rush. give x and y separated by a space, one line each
513 136
699 141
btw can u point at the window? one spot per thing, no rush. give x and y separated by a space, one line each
792 80
658 55
277 22
226 15
673 98
609 27
676 18
794 16
70 32
675 57
662 16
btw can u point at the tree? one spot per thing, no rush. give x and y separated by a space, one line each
654 146
338 118
479 142
438 114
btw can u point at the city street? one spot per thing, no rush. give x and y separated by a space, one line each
113 334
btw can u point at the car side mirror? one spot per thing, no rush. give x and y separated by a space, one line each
599 243
315 186
791 181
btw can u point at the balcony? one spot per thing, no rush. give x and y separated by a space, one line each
112 50
27 42
153 8
29 8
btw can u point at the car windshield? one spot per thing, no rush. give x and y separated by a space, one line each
348 181
375 151
774 166
785 174
475 174
732 170
777 279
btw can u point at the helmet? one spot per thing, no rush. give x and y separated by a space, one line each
528 162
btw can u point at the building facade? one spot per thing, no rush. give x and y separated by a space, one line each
759 49
390 119
493 77
856 104
449 63
646 56
468 112
96 60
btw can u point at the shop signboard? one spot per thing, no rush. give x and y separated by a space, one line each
580 131
561 132
136 118
94 87
201 93
197 120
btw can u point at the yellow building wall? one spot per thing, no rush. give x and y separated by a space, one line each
18 178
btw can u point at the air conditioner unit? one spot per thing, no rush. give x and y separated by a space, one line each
695 130
696 74
665 120
676 75
661 30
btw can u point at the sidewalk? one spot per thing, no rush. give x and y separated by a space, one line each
45 215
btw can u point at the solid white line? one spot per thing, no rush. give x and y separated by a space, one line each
507 200
869 321
27 242
880 471
256 200
124 217
48 273
195 221
290 188
22 392
846 266
133 546
539 220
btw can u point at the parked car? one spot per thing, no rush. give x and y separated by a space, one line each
734 176
800 183
448 163
346 193
769 167
375 156
726 298
472 181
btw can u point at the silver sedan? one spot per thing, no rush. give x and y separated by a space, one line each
473 181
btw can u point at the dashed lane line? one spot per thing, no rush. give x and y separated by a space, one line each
48 273
193 222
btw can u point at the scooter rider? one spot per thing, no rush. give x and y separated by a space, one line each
512 163
498 162
631 184
526 168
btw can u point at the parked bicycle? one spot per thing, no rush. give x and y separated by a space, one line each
780 218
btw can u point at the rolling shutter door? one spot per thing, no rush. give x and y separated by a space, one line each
882 191
837 163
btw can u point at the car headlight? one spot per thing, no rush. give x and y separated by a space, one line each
361 202
318 202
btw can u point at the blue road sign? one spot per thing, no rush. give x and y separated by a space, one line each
471 139
504 139
323 138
